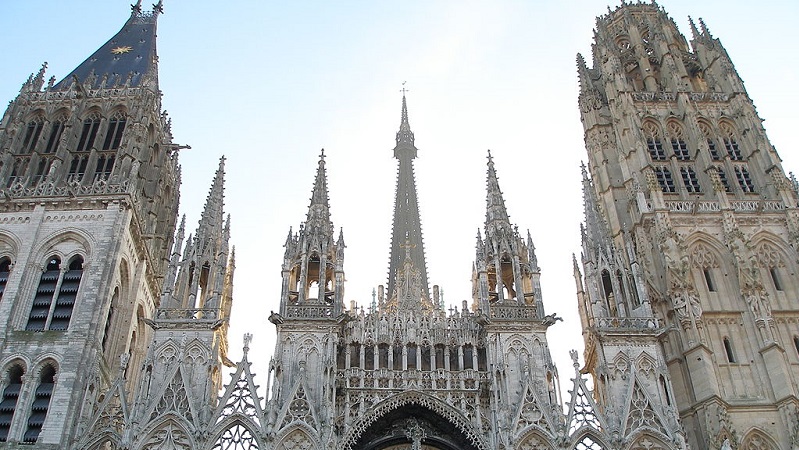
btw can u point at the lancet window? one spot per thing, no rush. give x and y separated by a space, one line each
55 295
678 145
744 179
41 404
77 168
728 351
18 170
705 261
116 126
42 169
724 180
56 129
88 133
665 180
32 133
10 397
654 142
5 271
709 136
105 165
690 180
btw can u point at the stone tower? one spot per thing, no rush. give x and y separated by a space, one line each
109 337
688 298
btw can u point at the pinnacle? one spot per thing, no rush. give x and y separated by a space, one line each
319 195
495 203
405 139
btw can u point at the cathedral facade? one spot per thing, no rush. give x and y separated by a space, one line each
114 320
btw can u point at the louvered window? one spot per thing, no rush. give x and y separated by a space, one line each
664 179
32 136
732 149
656 149
744 180
689 179
56 129
5 270
680 149
105 164
714 152
55 296
116 126
41 404
723 177
9 403
88 134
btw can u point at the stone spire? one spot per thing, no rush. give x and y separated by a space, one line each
407 228
319 209
595 236
496 214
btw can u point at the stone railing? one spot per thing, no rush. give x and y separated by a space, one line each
624 323
688 206
187 315
356 378
48 189
513 312
312 311
670 97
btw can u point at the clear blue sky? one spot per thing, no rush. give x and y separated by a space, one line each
268 84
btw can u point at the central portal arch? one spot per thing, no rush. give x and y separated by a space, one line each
413 420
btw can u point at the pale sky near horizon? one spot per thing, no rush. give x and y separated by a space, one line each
268 84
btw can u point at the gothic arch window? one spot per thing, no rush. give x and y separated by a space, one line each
105 165
728 350
8 405
56 130
770 259
704 260
236 437
712 147
88 133
77 168
678 145
41 403
42 169
654 141
55 296
728 137
757 440
607 291
32 133
725 182
744 179
5 271
508 285
116 126
689 179
18 170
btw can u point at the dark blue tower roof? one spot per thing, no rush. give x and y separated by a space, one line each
128 58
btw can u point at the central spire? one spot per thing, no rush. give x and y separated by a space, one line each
406 240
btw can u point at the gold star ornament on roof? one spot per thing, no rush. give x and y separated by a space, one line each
120 50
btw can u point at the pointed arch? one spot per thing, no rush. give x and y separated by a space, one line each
236 433
106 440
646 440
298 436
588 440
534 439
756 439
170 429
449 414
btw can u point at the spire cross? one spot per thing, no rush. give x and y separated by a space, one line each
403 90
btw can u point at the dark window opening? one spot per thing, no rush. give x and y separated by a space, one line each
425 358
656 149
680 149
41 403
18 171
9 403
67 293
341 357
397 357
724 181
454 364
382 350
482 359
116 126
665 390
732 149
439 356
5 271
714 152
728 350
40 310
665 180
744 180
711 286
77 168
369 357
796 344
355 355
689 179
468 362
42 169
56 129
775 278
105 164
412 356
32 136
88 134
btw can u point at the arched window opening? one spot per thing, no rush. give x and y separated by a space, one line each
425 353
744 179
509 288
607 290
369 357
620 280
493 295
728 350
116 126
202 284
482 359
397 355
18 170
68 292
678 145
56 129
77 168
237 437
775 278
41 404
105 165
88 134
313 290
5 271
382 351
412 350
355 355
48 282
665 387
439 350
634 291
588 444
42 169
653 141
109 320
341 357
10 396
711 286
32 134
724 180
468 356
